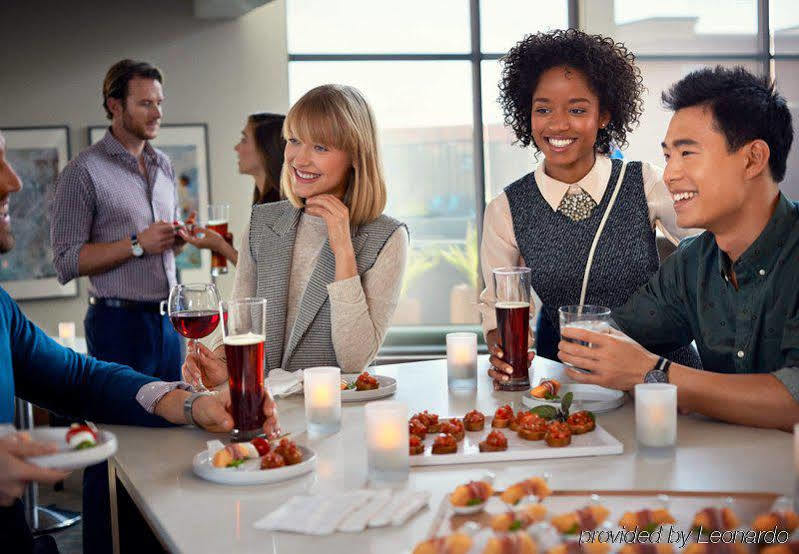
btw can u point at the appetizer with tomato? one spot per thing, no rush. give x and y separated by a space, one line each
80 437
494 442
535 486
787 548
786 520
716 548
415 445
646 520
581 547
366 382
581 422
584 519
649 548
458 543
521 415
272 460
474 421
416 427
454 427
519 519
471 494
430 421
714 519
445 443
546 388
233 455
517 543
502 417
291 454
533 427
558 434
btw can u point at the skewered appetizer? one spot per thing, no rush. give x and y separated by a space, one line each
416 427
787 548
558 434
415 445
534 486
533 427
474 421
716 548
647 520
233 455
445 444
547 387
517 543
366 382
459 543
471 494
430 421
345 385
714 519
581 422
519 519
502 417
783 521
454 427
494 442
579 547
585 519
291 454
648 548
80 437
272 460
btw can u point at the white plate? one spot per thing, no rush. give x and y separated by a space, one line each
386 386
250 472
66 458
586 397
596 443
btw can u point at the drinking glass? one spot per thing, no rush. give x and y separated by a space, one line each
244 335
585 316
512 290
218 217
194 312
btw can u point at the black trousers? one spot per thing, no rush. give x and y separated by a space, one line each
16 535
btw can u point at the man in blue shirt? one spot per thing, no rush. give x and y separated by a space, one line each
36 368
733 289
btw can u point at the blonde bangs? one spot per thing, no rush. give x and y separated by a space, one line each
338 116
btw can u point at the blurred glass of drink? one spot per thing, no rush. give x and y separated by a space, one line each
588 317
218 217
512 290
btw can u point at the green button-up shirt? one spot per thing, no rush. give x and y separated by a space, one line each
752 329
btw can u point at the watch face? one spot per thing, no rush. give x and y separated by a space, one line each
137 250
656 376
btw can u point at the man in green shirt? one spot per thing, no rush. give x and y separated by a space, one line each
734 289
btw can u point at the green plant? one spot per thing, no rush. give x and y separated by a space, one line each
464 258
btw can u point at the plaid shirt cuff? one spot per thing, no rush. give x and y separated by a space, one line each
149 395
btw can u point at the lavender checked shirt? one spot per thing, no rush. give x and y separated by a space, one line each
102 197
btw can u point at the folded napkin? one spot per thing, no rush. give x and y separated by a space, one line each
284 383
349 512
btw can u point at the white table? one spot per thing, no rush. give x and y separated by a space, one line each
191 515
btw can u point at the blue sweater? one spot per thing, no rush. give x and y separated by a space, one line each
35 367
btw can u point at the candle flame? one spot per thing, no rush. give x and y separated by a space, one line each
321 395
388 436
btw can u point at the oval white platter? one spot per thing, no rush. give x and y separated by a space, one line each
386 387
249 473
67 458
586 397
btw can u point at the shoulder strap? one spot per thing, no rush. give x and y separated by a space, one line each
599 232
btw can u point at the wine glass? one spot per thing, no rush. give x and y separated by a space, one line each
194 312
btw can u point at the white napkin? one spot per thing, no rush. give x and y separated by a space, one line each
284 383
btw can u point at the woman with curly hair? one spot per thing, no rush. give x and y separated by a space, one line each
584 224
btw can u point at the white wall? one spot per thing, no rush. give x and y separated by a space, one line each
54 56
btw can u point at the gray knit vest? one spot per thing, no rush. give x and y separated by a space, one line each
273 230
556 249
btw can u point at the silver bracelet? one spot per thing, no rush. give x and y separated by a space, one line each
189 403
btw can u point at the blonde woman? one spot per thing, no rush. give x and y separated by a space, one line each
327 259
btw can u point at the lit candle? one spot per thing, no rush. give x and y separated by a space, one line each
322 389
66 333
656 416
387 441
462 360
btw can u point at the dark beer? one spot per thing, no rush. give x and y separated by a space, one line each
245 365
218 261
195 324
513 328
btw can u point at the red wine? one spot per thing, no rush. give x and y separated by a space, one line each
513 327
195 324
245 367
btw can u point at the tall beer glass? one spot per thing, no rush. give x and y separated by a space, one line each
244 334
512 290
218 217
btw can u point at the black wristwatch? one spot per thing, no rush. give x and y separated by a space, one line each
660 373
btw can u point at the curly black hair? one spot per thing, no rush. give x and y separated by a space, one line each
609 67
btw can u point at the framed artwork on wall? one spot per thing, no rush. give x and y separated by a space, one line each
37 154
186 145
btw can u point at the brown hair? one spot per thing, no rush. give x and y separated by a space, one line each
339 116
119 75
267 131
